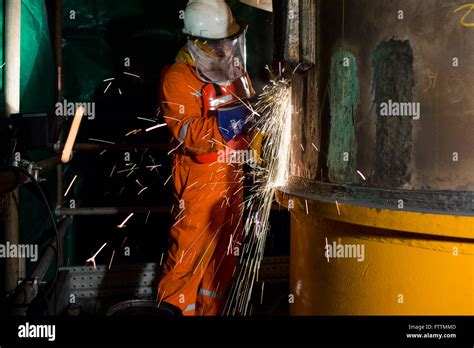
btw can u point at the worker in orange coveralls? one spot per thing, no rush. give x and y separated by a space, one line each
202 98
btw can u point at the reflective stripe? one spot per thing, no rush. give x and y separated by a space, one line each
218 101
184 131
190 307
209 293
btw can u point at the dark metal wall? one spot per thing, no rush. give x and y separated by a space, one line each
404 51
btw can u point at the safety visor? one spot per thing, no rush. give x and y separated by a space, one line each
219 61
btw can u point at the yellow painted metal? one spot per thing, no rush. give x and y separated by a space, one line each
413 263
407 221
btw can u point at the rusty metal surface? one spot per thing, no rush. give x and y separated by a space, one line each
424 201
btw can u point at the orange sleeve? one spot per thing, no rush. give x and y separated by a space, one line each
183 115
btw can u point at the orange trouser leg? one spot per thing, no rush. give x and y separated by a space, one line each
218 276
201 208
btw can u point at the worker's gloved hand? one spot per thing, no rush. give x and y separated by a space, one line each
233 121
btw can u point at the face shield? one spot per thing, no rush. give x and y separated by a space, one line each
219 61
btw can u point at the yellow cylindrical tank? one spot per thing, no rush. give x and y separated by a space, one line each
412 263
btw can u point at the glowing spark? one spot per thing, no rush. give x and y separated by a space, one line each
155 127
111 259
146 119
70 185
338 211
161 260
294 70
108 86
172 118
122 225
196 92
143 189
158 305
92 259
130 74
306 203
177 222
102 152
176 148
112 172
135 131
315 147
110 79
261 296
147 215
101 141
120 91
167 180
153 167
362 175
229 247
302 148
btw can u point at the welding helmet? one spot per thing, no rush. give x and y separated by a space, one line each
216 42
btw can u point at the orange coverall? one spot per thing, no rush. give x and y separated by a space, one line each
207 213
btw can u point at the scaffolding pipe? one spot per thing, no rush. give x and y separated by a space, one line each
85 211
58 45
112 210
113 147
29 290
12 106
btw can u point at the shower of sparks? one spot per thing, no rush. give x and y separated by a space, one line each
122 225
92 259
338 211
361 175
70 185
155 127
272 114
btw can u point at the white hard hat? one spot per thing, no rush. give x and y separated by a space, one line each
209 19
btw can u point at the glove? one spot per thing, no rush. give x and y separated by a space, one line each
232 121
